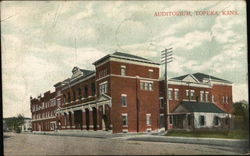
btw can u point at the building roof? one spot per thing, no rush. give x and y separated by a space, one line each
200 77
87 72
201 107
129 55
125 56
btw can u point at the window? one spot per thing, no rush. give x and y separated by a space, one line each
171 119
202 120
226 99
93 88
187 93
74 95
189 119
213 100
192 95
161 102
125 119
68 96
216 120
123 70
141 85
170 93
206 97
146 86
151 73
201 96
124 100
150 86
227 121
148 119
223 99
103 87
79 93
176 94
86 91
64 98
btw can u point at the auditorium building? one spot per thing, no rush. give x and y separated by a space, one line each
126 94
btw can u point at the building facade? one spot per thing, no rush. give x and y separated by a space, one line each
195 89
123 94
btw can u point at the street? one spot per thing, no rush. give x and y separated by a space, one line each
33 144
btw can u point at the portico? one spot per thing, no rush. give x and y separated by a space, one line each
94 115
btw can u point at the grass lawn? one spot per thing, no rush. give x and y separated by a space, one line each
232 134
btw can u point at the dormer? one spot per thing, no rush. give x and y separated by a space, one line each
76 72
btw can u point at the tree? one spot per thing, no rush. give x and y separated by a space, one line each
241 109
15 123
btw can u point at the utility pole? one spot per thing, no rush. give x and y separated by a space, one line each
166 57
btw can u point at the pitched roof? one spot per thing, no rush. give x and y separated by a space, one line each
200 77
201 107
86 72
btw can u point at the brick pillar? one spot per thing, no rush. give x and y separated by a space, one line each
72 120
100 112
97 118
63 120
67 125
83 119
91 125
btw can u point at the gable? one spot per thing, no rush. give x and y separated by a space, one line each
190 78
103 97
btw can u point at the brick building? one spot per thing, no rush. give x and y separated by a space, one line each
197 95
123 94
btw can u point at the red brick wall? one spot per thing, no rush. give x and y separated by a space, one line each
146 101
217 90
222 90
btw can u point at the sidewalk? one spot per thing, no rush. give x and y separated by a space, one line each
241 143
150 137
85 133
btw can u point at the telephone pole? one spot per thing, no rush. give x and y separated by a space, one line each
166 57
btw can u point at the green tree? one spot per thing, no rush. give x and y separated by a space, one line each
15 123
241 109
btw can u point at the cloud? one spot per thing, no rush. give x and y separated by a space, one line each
240 92
39 40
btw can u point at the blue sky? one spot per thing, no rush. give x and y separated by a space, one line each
43 41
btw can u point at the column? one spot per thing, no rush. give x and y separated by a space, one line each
67 125
72 120
100 113
91 125
83 119
97 118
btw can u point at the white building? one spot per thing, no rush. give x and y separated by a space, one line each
27 125
197 115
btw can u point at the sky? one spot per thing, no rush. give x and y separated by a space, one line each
42 41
